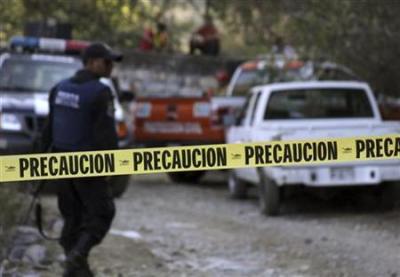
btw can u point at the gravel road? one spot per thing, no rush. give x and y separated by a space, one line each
168 229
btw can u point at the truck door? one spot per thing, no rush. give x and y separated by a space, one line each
243 133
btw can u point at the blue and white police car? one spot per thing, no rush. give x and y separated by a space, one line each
28 71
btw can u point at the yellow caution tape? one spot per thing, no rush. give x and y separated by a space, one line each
203 157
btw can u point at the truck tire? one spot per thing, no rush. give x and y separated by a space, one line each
186 176
237 188
269 195
119 184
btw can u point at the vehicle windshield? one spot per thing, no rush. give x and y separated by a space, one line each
34 75
249 78
318 104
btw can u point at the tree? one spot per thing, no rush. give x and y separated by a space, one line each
361 34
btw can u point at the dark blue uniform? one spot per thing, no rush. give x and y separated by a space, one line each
82 119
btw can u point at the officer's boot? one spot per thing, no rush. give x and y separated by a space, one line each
76 264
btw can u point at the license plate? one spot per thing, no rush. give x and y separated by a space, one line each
342 173
172 127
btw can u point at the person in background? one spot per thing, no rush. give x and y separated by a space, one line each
280 47
146 42
81 118
222 78
160 38
206 39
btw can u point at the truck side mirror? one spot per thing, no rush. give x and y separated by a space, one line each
229 119
126 96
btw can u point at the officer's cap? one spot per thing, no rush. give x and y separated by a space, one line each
100 50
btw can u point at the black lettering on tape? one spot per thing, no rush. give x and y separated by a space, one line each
388 143
98 163
157 160
23 166
43 166
360 147
203 157
34 166
276 157
259 151
185 158
307 155
211 157
321 151
91 163
137 159
287 153
63 166
73 165
297 152
147 159
176 159
195 158
52 170
379 148
370 148
267 153
397 148
166 155
109 162
332 151
248 154
84 167
222 156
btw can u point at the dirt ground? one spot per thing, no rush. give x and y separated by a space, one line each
168 229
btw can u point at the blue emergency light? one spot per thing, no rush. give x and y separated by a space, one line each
47 44
24 42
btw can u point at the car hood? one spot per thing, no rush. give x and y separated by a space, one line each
32 102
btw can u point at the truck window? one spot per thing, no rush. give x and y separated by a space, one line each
318 104
249 78
241 116
253 77
253 112
34 75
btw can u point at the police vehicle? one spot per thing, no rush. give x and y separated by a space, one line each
28 71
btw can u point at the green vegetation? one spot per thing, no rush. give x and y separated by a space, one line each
361 34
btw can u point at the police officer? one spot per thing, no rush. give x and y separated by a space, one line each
82 119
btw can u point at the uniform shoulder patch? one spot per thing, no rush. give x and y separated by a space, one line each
67 99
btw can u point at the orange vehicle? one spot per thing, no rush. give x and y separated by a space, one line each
177 120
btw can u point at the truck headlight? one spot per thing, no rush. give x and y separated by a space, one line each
10 122
201 109
122 130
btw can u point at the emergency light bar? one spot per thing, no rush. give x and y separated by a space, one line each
48 44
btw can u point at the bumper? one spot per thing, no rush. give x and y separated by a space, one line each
338 175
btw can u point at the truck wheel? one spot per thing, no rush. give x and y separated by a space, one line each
269 195
119 185
186 176
237 188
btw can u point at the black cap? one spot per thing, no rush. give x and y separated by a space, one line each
100 50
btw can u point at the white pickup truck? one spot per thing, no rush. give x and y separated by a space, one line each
310 110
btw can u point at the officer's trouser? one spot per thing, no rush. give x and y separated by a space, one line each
88 209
